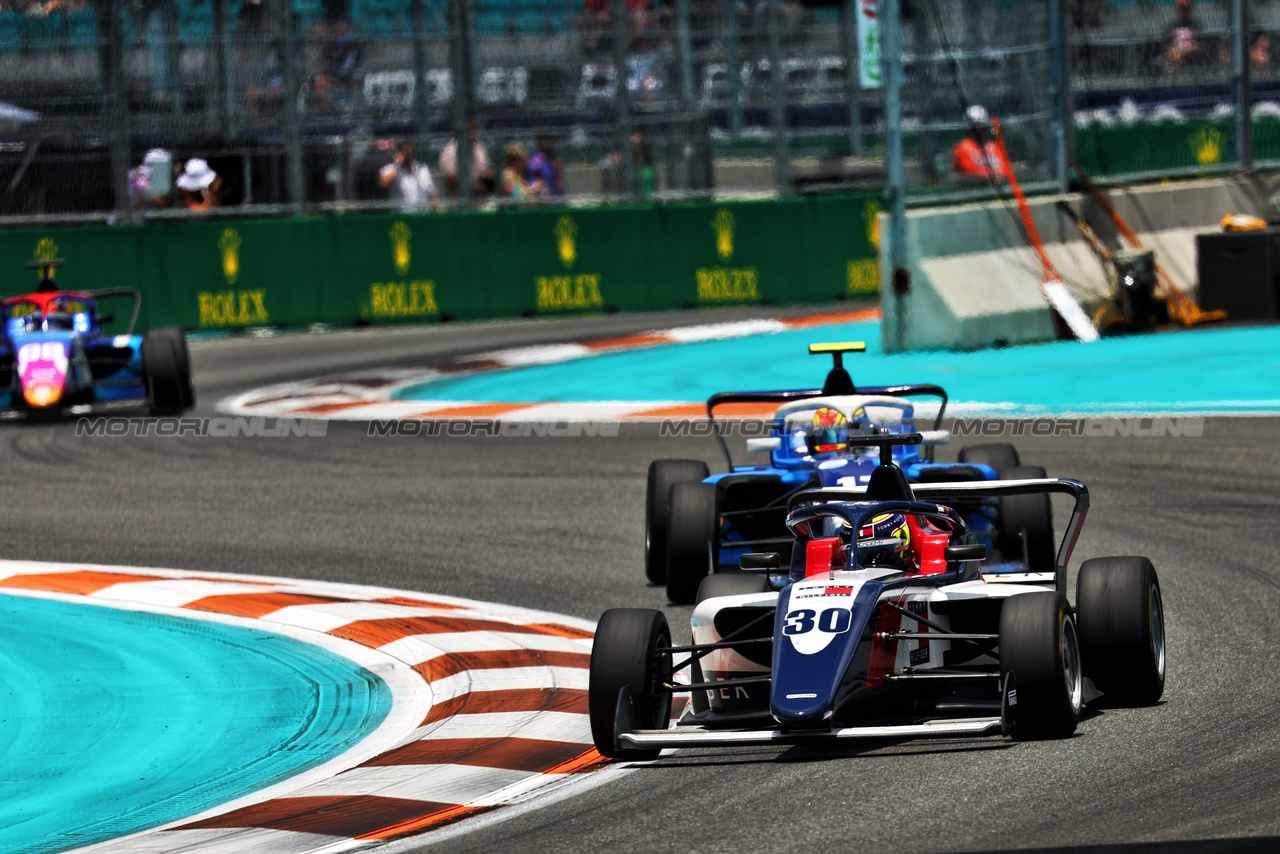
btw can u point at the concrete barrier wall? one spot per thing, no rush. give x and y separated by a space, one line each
975 281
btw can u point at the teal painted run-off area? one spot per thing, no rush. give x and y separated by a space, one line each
1202 370
114 721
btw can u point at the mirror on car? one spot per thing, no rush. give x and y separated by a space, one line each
969 551
763 444
761 562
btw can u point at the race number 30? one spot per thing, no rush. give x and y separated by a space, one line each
830 620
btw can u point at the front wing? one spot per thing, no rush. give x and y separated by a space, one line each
683 736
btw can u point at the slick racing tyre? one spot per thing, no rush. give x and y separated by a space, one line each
663 474
726 584
693 539
730 584
1039 645
1026 519
998 456
166 370
1121 617
624 656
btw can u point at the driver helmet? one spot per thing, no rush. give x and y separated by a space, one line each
885 541
828 431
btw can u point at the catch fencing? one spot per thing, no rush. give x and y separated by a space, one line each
294 103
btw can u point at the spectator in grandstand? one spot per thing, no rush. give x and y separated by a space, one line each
975 159
515 179
151 182
267 95
1259 53
1185 46
368 167
544 168
336 80
481 175
645 180
162 37
408 180
597 22
199 187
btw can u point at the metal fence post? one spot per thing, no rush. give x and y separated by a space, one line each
778 101
684 43
895 187
733 67
849 41
627 178
117 104
1061 118
463 71
292 129
1240 77
223 84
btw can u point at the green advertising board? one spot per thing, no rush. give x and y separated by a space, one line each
514 262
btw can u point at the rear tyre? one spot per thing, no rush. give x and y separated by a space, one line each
657 510
623 655
1122 629
693 539
1039 644
1027 517
999 456
730 584
166 370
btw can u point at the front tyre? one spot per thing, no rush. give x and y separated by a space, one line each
693 539
624 655
166 370
1039 644
1122 628
663 474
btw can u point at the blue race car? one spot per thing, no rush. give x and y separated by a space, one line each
55 356
698 523
888 624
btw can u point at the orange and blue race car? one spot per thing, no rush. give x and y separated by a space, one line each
56 358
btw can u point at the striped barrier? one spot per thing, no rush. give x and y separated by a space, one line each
500 712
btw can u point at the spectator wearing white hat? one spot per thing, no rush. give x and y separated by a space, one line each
199 186
973 160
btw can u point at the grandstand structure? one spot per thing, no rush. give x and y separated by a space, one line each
287 98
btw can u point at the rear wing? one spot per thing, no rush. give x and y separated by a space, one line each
981 489
724 397
132 293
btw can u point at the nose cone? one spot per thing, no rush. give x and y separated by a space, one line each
819 625
42 367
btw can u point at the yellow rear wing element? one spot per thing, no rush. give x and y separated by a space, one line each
841 347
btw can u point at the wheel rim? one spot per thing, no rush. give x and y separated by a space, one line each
1071 673
661 674
1155 610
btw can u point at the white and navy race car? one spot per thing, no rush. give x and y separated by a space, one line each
885 625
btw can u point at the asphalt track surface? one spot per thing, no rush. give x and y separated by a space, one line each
557 524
